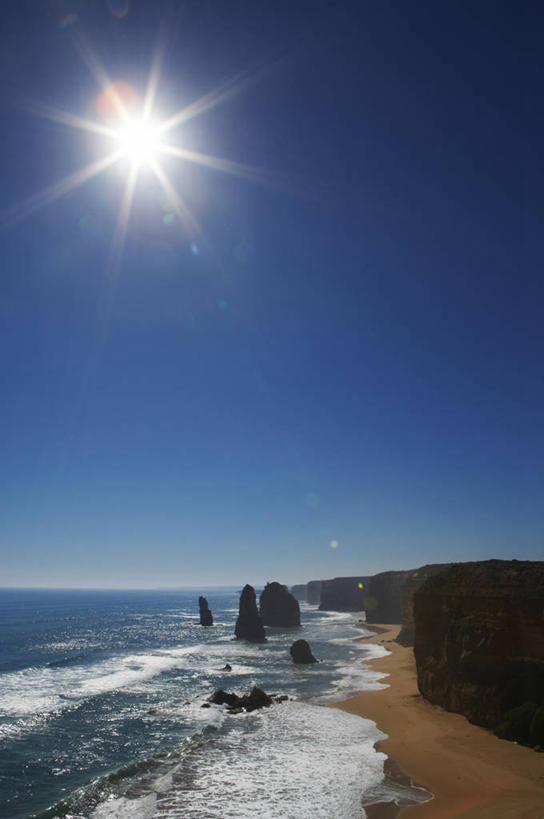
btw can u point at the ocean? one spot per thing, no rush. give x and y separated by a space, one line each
101 717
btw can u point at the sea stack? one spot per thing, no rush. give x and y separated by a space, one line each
249 625
206 618
278 606
302 653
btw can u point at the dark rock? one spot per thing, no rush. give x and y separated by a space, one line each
223 697
383 599
479 644
206 618
413 582
343 594
299 592
257 698
302 653
227 667
313 592
249 625
278 606
205 705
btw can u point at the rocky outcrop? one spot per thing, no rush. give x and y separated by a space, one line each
302 653
479 645
299 592
383 598
313 592
413 582
343 594
206 617
278 607
249 625
257 698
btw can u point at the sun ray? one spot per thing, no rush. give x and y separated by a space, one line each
179 205
219 164
58 189
65 118
210 100
101 76
123 218
154 77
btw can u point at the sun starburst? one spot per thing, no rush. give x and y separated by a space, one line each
138 137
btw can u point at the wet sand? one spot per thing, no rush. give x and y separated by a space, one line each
471 773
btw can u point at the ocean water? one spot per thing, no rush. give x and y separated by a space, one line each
101 717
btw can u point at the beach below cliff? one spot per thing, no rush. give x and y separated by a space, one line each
470 772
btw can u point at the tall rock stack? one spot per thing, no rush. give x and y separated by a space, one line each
249 625
278 606
206 617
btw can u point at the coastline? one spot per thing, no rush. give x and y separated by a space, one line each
470 772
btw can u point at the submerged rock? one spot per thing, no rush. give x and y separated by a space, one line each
206 618
302 653
249 625
278 606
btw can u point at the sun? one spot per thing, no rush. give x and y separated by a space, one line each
139 141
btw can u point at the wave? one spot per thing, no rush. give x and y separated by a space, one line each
265 765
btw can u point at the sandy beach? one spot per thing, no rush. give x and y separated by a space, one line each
471 772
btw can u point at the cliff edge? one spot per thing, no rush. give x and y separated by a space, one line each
479 645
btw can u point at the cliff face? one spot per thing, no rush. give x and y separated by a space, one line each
313 592
479 645
384 595
278 606
249 625
343 594
413 582
299 592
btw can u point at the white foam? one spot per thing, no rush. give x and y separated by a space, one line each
291 760
123 808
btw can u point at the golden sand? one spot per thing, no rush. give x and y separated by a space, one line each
471 773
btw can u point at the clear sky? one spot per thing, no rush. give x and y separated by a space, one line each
344 347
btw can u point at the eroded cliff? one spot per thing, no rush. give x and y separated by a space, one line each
383 598
412 583
479 645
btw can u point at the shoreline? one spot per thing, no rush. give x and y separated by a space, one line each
469 771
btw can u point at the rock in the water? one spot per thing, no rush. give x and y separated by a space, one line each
206 618
249 625
257 698
302 653
278 606
227 667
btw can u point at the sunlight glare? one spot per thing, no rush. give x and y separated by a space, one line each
139 142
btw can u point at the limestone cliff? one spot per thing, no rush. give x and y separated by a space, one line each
249 625
413 582
343 594
384 595
299 592
313 592
278 606
479 645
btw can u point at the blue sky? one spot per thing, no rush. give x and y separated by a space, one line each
349 352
